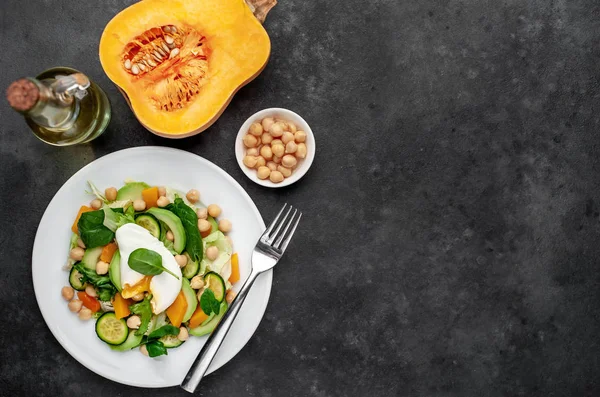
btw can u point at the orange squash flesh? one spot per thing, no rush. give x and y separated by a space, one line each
150 197
107 252
121 306
176 311
82 209
198 317
235 269
236 46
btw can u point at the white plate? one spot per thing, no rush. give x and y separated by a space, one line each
284 114
156 166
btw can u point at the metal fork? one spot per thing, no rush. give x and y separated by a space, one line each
266 254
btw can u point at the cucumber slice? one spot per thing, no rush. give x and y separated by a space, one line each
131 342
111 330
213 222
149 223
114 271
171 341
216 284
191 299
208 327
75 280
191 268
91 257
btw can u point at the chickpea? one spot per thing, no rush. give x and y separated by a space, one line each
289 161
162 201
204 225
138 297
77 253
110 193
252 152
162 191
258 142
266 138
214 210
230 296
263 172
266 152
67 293
101 267
272 165
278 150
276 159
250 140
225 225
139 205
183 334
292 127
85 313
96 204
250 161
260 161
144 350
284 125
75 305
181 260
276 176
197 282
134 322
286 172
202 213
301 151
256 129
300 136
80 243
91 291
276 142
291 147
193 196
287 137
212 253
276 130
267 122
170 235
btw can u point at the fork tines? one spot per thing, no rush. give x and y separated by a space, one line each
279 239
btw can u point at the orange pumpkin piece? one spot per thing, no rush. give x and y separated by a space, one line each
198 317
177 309
150 196
107 252
141 286
121 306
235 269
82 209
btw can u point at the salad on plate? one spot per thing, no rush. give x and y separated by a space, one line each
151 265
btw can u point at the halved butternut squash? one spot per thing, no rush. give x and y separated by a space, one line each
179 62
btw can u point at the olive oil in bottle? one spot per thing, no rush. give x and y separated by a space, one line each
61 106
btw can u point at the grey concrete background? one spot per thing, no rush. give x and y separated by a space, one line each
450 246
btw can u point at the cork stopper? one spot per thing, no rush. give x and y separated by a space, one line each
22 95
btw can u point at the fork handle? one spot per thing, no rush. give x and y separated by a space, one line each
209 350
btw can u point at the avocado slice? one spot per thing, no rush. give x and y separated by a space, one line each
207 328
91 257
131 191
174 224
132 341
114 271
190 297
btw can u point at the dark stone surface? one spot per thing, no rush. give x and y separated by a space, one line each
450 246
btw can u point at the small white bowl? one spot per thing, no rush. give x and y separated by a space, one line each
303 164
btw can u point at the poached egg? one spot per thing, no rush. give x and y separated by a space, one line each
163 287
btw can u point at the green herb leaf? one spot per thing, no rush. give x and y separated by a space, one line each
106 292
114 218
147 262
92 230
189 219
209 303
90 276
162 331
156 348
144 310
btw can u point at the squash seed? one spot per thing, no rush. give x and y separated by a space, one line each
135 69
169 39
174 53
127 64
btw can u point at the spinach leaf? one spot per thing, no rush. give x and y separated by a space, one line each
92 230
189 219
90 276
144 310
106 292
162 331
156 348
209 303
147 262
